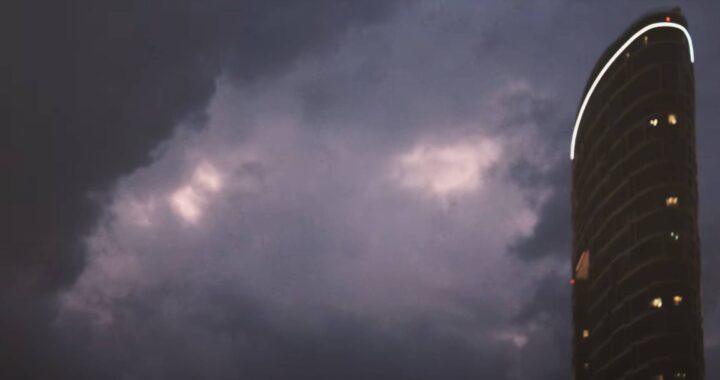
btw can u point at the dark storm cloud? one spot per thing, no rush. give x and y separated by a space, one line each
308 248
90 90
551 236
246 341
707 93
306 274
548 310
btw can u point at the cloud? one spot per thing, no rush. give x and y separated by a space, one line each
551 235
266 176
310 231
121 79
446 169
307 231
91 91
189 199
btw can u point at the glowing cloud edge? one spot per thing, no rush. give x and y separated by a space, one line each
612 60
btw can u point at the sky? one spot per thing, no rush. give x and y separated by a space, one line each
324 189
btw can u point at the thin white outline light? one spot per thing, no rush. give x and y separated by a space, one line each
613 58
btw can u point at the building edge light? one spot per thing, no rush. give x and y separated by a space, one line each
613 58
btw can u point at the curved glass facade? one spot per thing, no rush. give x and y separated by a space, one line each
636 265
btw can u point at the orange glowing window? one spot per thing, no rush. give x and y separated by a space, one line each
582 269
585 334
677 300
656 303
671 201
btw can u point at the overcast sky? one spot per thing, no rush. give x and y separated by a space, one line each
328 189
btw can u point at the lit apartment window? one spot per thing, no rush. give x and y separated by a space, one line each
656 303
680 375
658 377
586 334
671 201
672 119
627 55
582 269
674 236
654 122
677 300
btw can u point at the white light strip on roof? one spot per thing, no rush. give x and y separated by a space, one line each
610 62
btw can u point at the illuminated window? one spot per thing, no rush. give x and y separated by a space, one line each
586 334
672 119
671 201
586 365
654 122
656 303
680 375
582 269
658 377
645 40
627 55
674 236
677 300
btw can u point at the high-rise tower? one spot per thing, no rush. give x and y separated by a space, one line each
636 252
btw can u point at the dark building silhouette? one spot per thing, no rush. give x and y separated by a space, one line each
636 256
